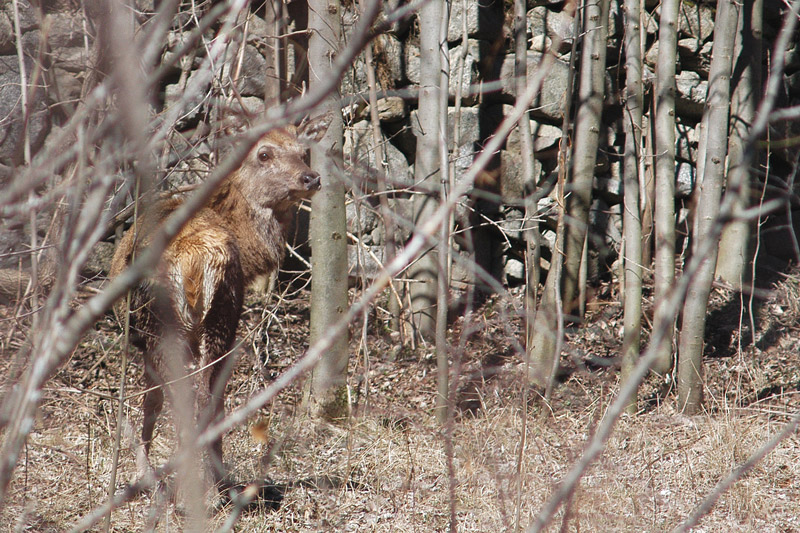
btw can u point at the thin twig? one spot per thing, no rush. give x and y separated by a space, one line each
665 313
419 242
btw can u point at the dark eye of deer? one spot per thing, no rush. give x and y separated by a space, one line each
264 155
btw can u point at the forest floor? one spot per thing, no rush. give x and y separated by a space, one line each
386 469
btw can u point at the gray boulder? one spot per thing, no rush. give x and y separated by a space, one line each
475 51
359 156
549 105
11 113
691 96
555 25
484 20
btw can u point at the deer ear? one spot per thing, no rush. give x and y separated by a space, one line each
312 130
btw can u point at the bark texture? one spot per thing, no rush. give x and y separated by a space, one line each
734 249
426 168
690 352
587 139
632 221
328 231
664 266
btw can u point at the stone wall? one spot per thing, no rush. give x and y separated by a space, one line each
481 67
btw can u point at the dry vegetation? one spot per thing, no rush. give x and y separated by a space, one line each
387 469
391 467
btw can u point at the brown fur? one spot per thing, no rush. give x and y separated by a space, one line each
197 292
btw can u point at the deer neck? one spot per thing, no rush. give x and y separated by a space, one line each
260 232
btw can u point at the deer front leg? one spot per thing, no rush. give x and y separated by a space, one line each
209 408
152 404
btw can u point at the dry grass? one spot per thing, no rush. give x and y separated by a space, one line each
387 469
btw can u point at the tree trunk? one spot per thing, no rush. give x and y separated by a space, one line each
423 287
631 221
664 265
394 305
443 246
542 338
587 137
327 394
273 52
532 237
690 353
734 253
647 186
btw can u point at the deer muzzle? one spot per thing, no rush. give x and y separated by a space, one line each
311 181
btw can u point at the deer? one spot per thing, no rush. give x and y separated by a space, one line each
196 293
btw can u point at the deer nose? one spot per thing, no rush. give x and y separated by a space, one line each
311 181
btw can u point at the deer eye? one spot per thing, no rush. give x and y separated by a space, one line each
264 154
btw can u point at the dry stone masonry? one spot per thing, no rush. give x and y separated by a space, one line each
481 72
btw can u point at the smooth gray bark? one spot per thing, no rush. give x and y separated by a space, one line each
631 220
443 280
734 252
532 237
328 230
274 56
690 352
423 273
587 137
532 250
544 336
664 264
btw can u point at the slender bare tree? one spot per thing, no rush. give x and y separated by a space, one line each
532 247
561 286
274 53
591 89
443 246
328 231
423 273
532 242
631 218
690 352
664 265
734 251
543 339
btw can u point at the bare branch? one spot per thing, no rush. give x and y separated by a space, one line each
666 313
62 328
420 240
